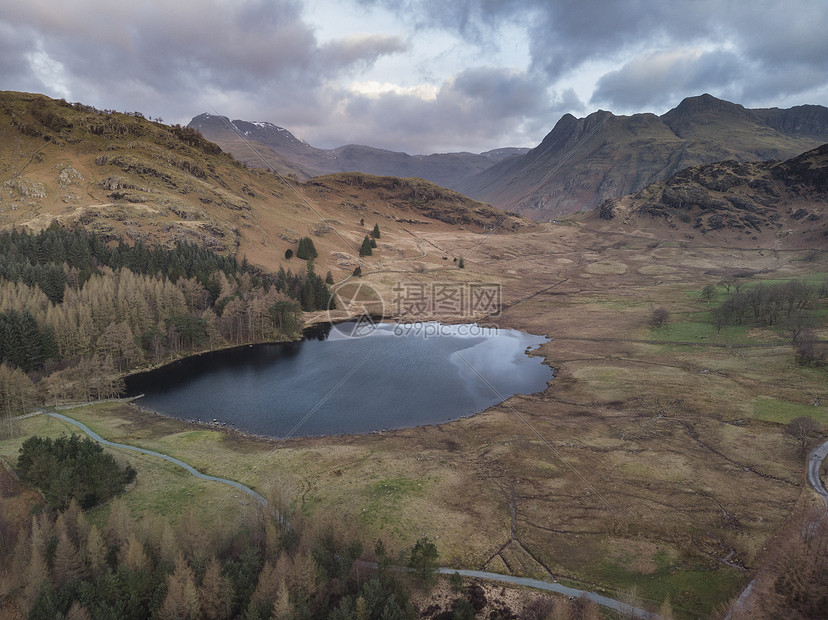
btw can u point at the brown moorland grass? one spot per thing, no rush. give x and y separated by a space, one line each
655 460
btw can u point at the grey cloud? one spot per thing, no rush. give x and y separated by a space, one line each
15 46
146 55
364 49
501 92
764 42
259 59
784 33
654 80
485 106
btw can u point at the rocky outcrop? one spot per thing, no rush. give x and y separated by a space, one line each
745 197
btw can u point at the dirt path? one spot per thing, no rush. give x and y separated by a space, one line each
604 601
236 485
547 586
815 458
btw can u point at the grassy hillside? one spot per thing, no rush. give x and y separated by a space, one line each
122 175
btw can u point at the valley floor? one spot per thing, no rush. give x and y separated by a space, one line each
653 467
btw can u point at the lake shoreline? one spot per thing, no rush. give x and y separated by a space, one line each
441 373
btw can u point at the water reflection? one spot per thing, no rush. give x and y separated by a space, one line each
389 379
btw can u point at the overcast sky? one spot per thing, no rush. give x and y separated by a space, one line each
419 76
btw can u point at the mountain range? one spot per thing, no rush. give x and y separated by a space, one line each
123 176
265 145
578 165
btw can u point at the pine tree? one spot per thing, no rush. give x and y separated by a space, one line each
665 612
119 523
192 537
37 574
133 555
306 249
37 571
214 593
77 525
365 249
267 587
376 232
423 560
461 264
67 562
288 254
169 544
329 278
282 608
303 575
95 552
358 272
360 609
78 612
182 595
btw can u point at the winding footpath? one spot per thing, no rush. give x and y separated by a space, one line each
236 485
815 458
537 584
604 601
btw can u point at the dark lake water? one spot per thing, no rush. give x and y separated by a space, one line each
330 384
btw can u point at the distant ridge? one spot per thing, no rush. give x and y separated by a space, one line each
123 176
265 145
583 162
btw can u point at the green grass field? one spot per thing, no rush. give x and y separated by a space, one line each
782 412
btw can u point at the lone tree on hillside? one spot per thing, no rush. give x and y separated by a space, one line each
288 254
358 272
801 429
462 263
808 349
708 292
365 249
659 317
423 560
376 232
306 249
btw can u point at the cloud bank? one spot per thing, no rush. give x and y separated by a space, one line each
415 75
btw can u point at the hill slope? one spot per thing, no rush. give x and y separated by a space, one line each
582 162
122 175
265 145
777 203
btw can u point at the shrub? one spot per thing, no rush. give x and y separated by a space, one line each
70 467
659 317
